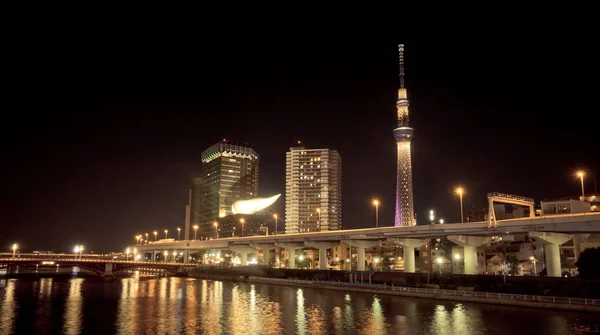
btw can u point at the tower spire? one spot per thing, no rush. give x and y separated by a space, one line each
401 55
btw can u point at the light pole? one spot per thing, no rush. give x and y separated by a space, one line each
178 233
580 174
439 261
242 221
155 235
460 191
216 224
166 233
376 204
195 231
431 216
174 256
275 217
534 261
319 221
134 254
14 248
146 237
127 254
80 251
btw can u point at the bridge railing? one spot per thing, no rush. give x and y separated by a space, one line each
510 196
87 260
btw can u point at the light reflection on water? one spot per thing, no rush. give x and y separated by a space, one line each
189 306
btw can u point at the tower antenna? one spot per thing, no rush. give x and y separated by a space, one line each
401 54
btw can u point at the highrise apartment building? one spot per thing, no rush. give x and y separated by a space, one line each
229 174
313 190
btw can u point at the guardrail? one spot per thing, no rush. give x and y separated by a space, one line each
489 295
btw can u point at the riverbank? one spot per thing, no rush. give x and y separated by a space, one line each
522 300
557 303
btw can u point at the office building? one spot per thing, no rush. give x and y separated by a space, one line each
229 173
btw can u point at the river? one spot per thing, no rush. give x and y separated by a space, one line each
193 306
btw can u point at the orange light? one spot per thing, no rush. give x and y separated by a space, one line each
376 202
459 190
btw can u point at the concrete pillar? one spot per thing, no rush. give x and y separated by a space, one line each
552 242
409 245
360 246
322 246
108 269
470 244
154 253
291 249
243 251
265 248
186 256
360 258
470 256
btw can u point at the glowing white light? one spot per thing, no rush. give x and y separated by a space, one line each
253 205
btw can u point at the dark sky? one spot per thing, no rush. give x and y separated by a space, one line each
104 140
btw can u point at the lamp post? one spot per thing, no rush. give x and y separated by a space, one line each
166 233
216 224
195 231
134 254
440 261
146 237
242 221
275 217
376 204
580 174
460 191
319 220
127 254
14 248
155 235
534 262
81 251
178 233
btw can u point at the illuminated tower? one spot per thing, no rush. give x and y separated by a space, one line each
403 135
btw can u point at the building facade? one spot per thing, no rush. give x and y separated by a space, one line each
313 190
229 173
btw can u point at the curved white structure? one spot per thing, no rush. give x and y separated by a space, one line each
253 205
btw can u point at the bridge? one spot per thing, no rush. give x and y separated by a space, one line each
97 264
552 230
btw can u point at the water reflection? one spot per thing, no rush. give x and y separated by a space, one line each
189 306
8 308
73 308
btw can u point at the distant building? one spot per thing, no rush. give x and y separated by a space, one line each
229 173
594 201
313 190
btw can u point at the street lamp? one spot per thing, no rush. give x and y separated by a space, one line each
431 216
275 217
134 254
216 224
319 221
174 256
242 221
376 204
14 248
457 256
441 221
534 262
146 237
178 233
155 235
195 231
460 191
127 254
166 233
81 251
440 261
580 174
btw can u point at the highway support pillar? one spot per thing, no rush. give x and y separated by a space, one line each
322 247
108 270
470 244
291 250
265 248
243 251
408 246
360 246
552 242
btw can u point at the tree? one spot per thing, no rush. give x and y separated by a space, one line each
588 264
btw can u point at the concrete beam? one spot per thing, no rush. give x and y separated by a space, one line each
552 242
322 247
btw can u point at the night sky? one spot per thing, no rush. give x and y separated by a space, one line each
104 140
